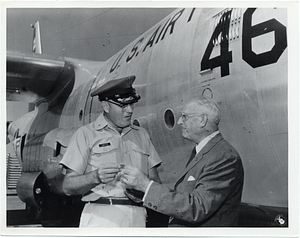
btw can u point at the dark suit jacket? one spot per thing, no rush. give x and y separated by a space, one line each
208 192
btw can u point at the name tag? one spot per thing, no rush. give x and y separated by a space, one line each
104 144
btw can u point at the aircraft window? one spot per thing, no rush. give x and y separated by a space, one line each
169 119
80 115
136 122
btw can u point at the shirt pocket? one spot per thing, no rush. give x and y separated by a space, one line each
102 152
138 157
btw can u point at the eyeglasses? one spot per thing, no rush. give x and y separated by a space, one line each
186 116
123 106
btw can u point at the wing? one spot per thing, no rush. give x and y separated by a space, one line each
33 76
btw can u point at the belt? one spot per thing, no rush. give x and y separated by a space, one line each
112 201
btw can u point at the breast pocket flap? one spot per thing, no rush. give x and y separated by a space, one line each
138 149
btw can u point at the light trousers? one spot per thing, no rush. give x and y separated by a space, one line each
102 215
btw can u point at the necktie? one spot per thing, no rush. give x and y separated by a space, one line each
192 156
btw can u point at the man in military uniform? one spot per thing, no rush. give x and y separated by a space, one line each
97 153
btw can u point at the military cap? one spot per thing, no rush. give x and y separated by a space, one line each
118 90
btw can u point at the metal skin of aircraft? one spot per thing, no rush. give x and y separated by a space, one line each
237 56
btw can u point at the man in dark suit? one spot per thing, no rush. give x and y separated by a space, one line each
208 191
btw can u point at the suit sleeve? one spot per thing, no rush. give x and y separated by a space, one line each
213 185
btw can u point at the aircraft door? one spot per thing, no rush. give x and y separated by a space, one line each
92 109
87 111
84 102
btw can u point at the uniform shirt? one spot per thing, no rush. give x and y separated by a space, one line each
98 143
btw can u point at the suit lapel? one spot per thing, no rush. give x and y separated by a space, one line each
199 156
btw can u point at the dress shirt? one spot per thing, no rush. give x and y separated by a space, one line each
205 141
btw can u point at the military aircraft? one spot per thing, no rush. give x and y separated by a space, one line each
237 56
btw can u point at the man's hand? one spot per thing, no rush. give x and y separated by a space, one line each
132 177
78 184
107 172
